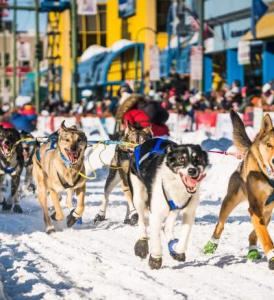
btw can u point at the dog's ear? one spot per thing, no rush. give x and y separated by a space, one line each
63 126
148 130
266 125
170 148
129 127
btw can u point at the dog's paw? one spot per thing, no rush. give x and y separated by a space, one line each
50 229
6 205
210 247
17 209
155 263
31 188
141 248
53 216
173 253
72 218
271 264
270 257
99 218
133 220
253 255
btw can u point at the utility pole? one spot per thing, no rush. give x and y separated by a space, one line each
37 58
14 28
74 90
201 40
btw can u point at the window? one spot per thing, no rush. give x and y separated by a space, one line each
92 29
161 17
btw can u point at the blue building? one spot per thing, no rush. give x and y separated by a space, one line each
230 22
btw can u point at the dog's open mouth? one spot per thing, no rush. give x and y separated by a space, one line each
5 149
72 155
190 182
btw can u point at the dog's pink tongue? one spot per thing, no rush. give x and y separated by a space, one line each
72 156
191 182
5 149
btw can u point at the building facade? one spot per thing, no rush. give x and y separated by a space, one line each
231 24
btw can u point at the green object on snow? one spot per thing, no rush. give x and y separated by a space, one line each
210 247
253 255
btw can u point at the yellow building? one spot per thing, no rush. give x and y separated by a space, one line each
147 25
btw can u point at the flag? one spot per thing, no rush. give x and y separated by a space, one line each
258 9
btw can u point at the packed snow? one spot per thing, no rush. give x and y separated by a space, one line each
98 262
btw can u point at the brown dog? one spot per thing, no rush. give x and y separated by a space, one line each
252 181
58 166
119 171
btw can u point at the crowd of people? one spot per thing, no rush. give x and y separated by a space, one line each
171 94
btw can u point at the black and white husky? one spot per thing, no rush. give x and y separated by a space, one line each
164 178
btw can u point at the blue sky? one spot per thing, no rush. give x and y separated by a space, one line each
26 19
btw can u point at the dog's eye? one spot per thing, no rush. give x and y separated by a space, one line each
268 145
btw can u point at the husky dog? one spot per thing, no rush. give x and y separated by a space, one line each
252 181
119 172
164 178
29 146
58 166
11 163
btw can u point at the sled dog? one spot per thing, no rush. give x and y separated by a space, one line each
57 167
252 181
165 178
11 163
118 173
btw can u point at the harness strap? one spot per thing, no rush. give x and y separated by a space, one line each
38 155
270 199
65 184
8 170
137 155
171 203
155 150
65 160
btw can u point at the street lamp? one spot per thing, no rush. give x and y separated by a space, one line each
136 51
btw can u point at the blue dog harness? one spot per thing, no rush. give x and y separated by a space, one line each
8 170
172 205
155 150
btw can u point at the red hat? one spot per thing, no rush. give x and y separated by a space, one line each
137 117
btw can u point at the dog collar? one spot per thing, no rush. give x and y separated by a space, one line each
66 161
172 205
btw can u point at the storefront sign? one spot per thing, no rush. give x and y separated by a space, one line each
244 53
196 63
87 7
154 72
127 8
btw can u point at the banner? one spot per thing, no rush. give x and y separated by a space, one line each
23 51
4 12
196 63
154 71
87 7
244 53
127 8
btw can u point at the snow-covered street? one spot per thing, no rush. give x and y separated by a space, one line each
98 262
